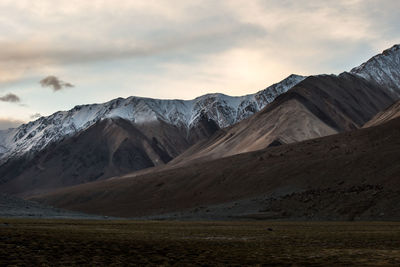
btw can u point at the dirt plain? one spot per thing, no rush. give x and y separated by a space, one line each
30 242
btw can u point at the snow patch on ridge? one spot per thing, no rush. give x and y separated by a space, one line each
383 69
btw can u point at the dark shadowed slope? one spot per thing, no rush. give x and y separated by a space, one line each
108 148
337 163
388 114
318 106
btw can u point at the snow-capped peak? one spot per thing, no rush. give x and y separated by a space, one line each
383 69
223 109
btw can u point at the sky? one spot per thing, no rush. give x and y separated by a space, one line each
56 55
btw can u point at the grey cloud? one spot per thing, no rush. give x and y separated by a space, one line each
35 116
208 36
9 123
10 98
55 83
291 32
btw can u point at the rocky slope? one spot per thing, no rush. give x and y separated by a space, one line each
390 113
383 69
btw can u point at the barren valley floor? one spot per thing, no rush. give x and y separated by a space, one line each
106 243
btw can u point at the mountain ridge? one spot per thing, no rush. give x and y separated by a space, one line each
222 109
383 69
317 106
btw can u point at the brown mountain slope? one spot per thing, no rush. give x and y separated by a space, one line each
289 122
337 163
388 114
109 148
318 106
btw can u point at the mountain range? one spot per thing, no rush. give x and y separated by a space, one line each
186 115
141 156
117 137
345 176
318 106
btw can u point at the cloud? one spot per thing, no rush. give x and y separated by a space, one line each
160 48
10 98
226 33
35 116
291 31
6 123
55 83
